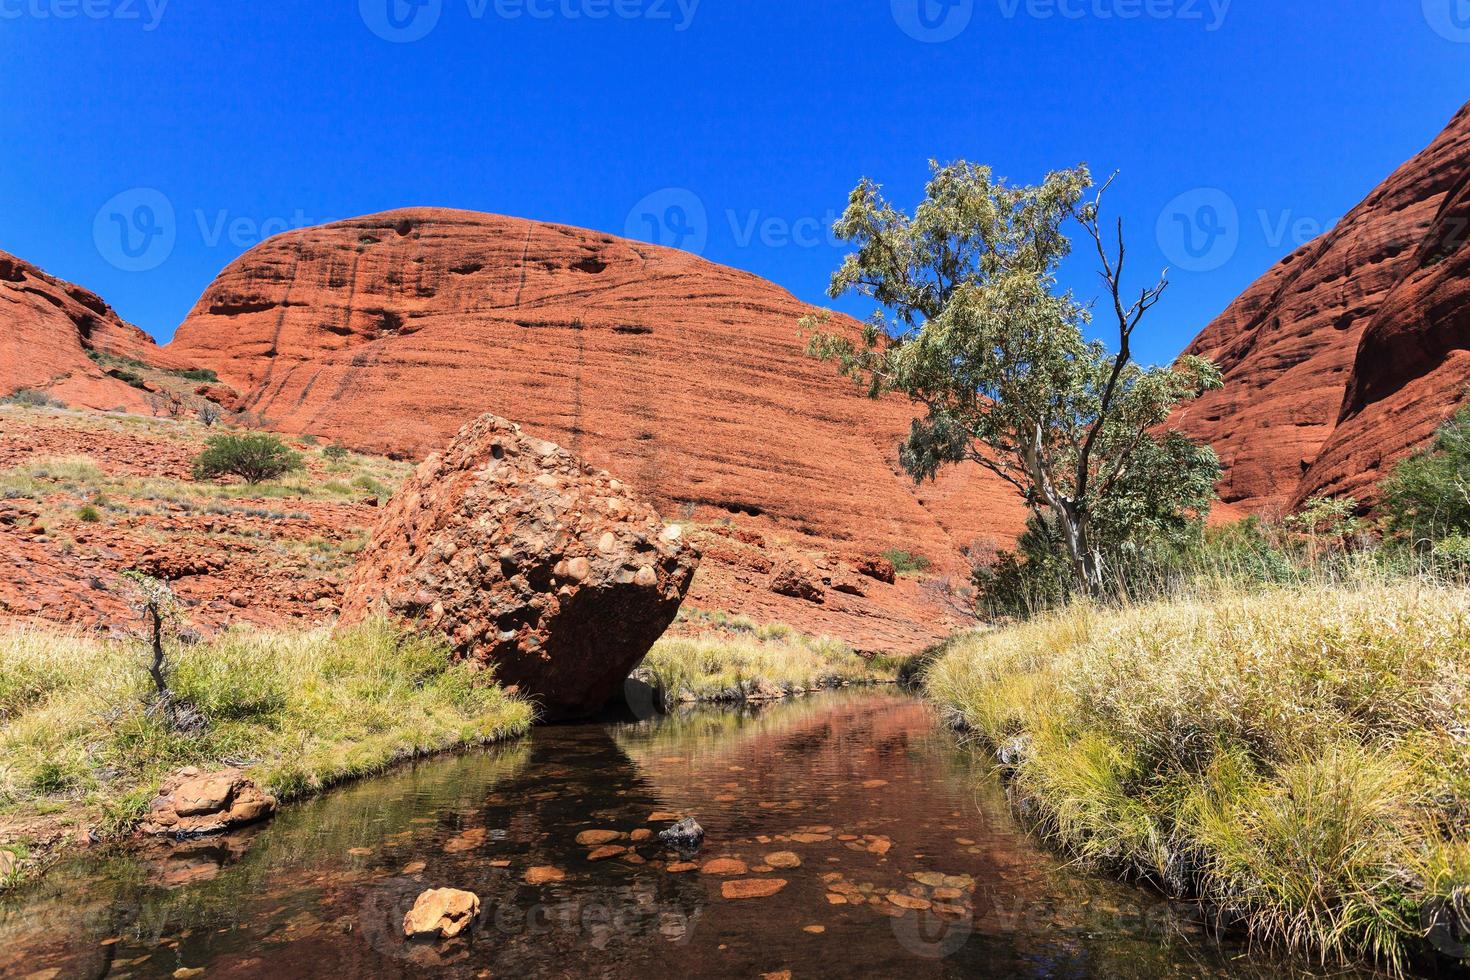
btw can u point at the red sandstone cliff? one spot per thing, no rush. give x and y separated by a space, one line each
686 378
47 328
1347 355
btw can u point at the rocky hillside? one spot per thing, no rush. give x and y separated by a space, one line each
1349 353
683 377
59 337
86 496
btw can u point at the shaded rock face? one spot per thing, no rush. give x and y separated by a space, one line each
1347 355
195 804
528 560
47 328
689 379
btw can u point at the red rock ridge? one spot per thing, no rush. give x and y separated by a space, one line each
1346 356
49 326
683 377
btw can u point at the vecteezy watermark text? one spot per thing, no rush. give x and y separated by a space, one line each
935 21
678 218
1201 230
1210 13
404 21
149 13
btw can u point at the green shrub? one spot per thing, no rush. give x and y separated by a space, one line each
31 398
1428 495
336 452
254 458
905 562
88 514
203 375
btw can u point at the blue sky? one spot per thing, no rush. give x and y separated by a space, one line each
736 127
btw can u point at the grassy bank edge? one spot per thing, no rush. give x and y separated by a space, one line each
1295 759
740 661
299 712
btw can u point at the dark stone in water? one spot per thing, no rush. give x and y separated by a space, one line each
685 837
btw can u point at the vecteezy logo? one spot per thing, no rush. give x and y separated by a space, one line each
931 937
1449 18
933 21
1199 230
136 230
401 21
674 217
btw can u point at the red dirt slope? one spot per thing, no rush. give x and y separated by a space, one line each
1348 354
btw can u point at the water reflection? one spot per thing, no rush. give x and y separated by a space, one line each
897 853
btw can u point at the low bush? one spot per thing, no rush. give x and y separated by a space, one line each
905 563
1428 495
31 398
253 457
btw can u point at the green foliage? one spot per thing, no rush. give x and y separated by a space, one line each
906 562
88 514
1428 495
204 375
31 398
253 457
336 451
980 334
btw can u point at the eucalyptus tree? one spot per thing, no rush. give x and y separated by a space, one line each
975 328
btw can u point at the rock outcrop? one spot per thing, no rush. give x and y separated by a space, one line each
195 804
1346 356
391 331
530 560
48 328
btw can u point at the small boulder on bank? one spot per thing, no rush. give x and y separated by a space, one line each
195 804
530 561
798 580
441 913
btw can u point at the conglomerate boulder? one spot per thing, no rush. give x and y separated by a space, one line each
529 560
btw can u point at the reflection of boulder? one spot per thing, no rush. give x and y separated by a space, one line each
529 560
193 804
184 862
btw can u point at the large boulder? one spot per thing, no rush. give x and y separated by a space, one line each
530 560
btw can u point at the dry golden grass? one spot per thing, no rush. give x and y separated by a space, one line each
300 711
742 657
1300 758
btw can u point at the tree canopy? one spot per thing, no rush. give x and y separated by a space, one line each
975 328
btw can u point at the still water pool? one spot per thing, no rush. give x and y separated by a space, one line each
910 865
